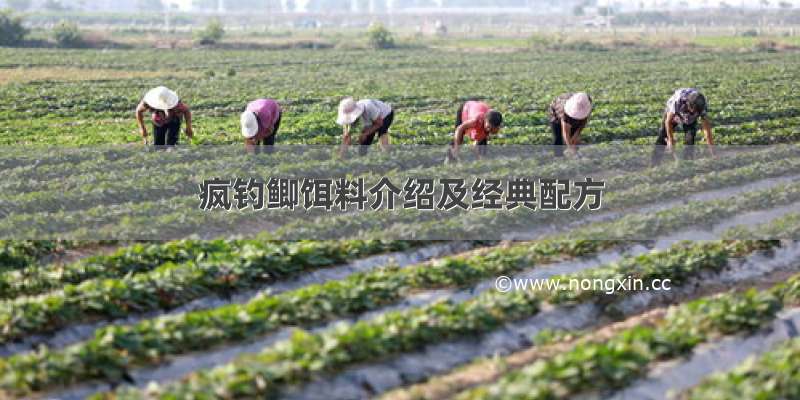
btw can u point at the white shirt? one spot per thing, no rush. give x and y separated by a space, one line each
373 110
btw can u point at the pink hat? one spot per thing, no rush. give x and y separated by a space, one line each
578 106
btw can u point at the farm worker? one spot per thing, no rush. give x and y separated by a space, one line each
477 120
569 113
167 110
260 122
376 119
684 108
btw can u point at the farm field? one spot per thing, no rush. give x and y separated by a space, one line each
752 96
113 285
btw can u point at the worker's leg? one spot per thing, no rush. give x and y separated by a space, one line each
173 132
364 142
689 136
661 143
459 120
159 135
558 140
483 147
383 132
269 142
572 132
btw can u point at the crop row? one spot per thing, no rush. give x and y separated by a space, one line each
773 375
172 284
17 254
306 354
143 257
602 367
121 347
152 340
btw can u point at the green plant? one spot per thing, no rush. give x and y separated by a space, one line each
67 34
212 33
379 37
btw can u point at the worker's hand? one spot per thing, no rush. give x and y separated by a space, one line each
146 142
670 146
189 133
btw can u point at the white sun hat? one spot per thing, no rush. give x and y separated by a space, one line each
578 106
161 98
349 111
249 124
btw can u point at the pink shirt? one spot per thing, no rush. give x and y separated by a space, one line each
476 110
267 111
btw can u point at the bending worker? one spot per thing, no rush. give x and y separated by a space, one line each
477 120
260 122
569 114
376 118
167 112
684 108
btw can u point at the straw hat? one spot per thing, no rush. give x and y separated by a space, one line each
349 111
161 98
578 106
249 124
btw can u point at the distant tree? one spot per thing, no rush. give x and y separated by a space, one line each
785 5
380 37
67 34
150 5
212 33
20 5
12 32
578 10
291 5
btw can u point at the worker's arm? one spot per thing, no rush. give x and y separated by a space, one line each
345 140
140 110
576 138
250 145
369 130
459 137
189 131
708 134
668 127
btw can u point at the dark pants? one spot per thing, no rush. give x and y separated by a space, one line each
167 134
482 144
366 140
558 138
269 141
689 135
